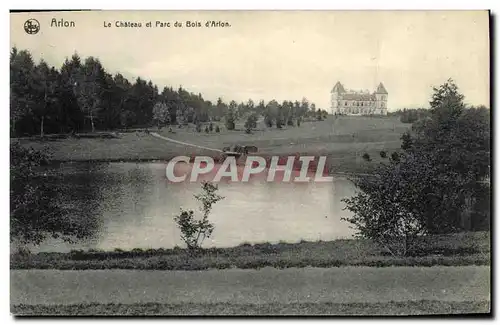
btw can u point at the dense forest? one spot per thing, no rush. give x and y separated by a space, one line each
82 96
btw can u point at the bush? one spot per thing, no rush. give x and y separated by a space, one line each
366 157
34 210
217 129
383 154
211 127
230 125
207 129
230 119
382 210
251 122
193 231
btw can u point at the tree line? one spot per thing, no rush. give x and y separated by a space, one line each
82 96
410 115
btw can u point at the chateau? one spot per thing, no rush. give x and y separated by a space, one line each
358 102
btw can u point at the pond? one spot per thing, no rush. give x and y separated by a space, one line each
134 206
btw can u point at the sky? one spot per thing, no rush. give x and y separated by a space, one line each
283 55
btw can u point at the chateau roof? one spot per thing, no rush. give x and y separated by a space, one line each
338 88
381 89
358 96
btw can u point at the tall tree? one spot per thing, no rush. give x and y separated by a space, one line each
46 92
304 104
231 115
271 113
220 108
22 87
436 179
91 89
161 114
261 107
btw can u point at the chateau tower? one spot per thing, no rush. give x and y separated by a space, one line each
336 94
381 97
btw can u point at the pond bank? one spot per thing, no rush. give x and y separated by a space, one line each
447 250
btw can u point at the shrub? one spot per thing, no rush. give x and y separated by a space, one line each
383 211
383 154
230 119
217 129
194 231
34 210
319 115
366 157
251 122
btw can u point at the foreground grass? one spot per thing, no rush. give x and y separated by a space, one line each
423 307
449 250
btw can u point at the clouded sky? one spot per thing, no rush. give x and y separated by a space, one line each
279 54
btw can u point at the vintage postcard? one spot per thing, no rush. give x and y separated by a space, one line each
250 163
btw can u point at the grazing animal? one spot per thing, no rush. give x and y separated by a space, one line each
240 149
250 149
237 148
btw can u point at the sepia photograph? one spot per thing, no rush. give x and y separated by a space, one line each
250 163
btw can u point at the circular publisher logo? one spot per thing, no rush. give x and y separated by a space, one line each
31 26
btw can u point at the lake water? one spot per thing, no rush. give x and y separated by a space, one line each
134 206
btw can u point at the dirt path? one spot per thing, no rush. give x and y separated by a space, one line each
156 135
268 285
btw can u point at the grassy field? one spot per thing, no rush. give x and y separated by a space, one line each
344 129
422 307
449 250
344 140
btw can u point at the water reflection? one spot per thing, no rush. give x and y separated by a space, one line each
135 205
